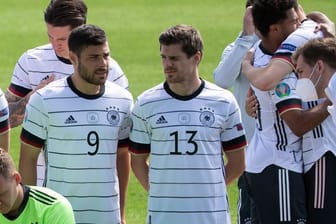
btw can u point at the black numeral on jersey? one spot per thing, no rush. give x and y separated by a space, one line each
93 140
190 141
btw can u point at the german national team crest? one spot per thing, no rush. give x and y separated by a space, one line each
207 117
113 116
282 90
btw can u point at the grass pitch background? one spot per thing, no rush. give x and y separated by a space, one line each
133 27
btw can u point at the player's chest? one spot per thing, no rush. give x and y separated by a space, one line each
67 113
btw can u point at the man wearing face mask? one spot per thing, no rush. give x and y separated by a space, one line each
316 64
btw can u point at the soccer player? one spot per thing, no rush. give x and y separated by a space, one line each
184 126
281 64
228 75
4 123
82 122
39 66
29 204
274 164
228 72
316 62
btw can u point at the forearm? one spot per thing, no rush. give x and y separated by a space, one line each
123 168
4 140
300 122
140 169
17 108
235 165
268 77
27 163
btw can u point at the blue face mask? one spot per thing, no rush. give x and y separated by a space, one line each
306 89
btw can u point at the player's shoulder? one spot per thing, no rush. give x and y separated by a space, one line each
113 88
53 88
212 90
303 33
39 51
44 195
153 93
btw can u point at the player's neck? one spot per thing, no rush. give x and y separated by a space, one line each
185 88
85 87
18 201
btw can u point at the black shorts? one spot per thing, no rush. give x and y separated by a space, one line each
320 182
244 202
277 195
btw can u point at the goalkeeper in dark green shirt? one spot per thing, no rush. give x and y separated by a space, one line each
29 204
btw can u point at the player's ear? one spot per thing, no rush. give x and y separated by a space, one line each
17 177
198 57
273 28
73 57
320 66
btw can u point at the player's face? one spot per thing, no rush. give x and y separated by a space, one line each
303 69
93 64
8 194
58 37
177 67
290 24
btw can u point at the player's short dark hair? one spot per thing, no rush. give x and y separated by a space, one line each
66 13
318 49
269 12
249 3
85 35
188 37
6 164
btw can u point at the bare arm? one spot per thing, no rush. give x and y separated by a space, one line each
268 77
27 163
4 140
140 169
301 122
251 103
17 105
235 164
123 168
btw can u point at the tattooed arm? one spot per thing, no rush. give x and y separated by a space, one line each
17 105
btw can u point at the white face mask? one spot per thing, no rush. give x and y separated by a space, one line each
306 89
332 111
331 89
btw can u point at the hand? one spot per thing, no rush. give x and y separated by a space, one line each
248 25
328 30
45 82
251 103
247 61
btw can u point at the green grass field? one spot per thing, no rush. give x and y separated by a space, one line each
133 27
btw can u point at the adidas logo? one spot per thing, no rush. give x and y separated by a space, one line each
161 120
70 120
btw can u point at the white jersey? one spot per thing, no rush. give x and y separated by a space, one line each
40 63
296 39
80 134
319 140
185 137
4 114
273 142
